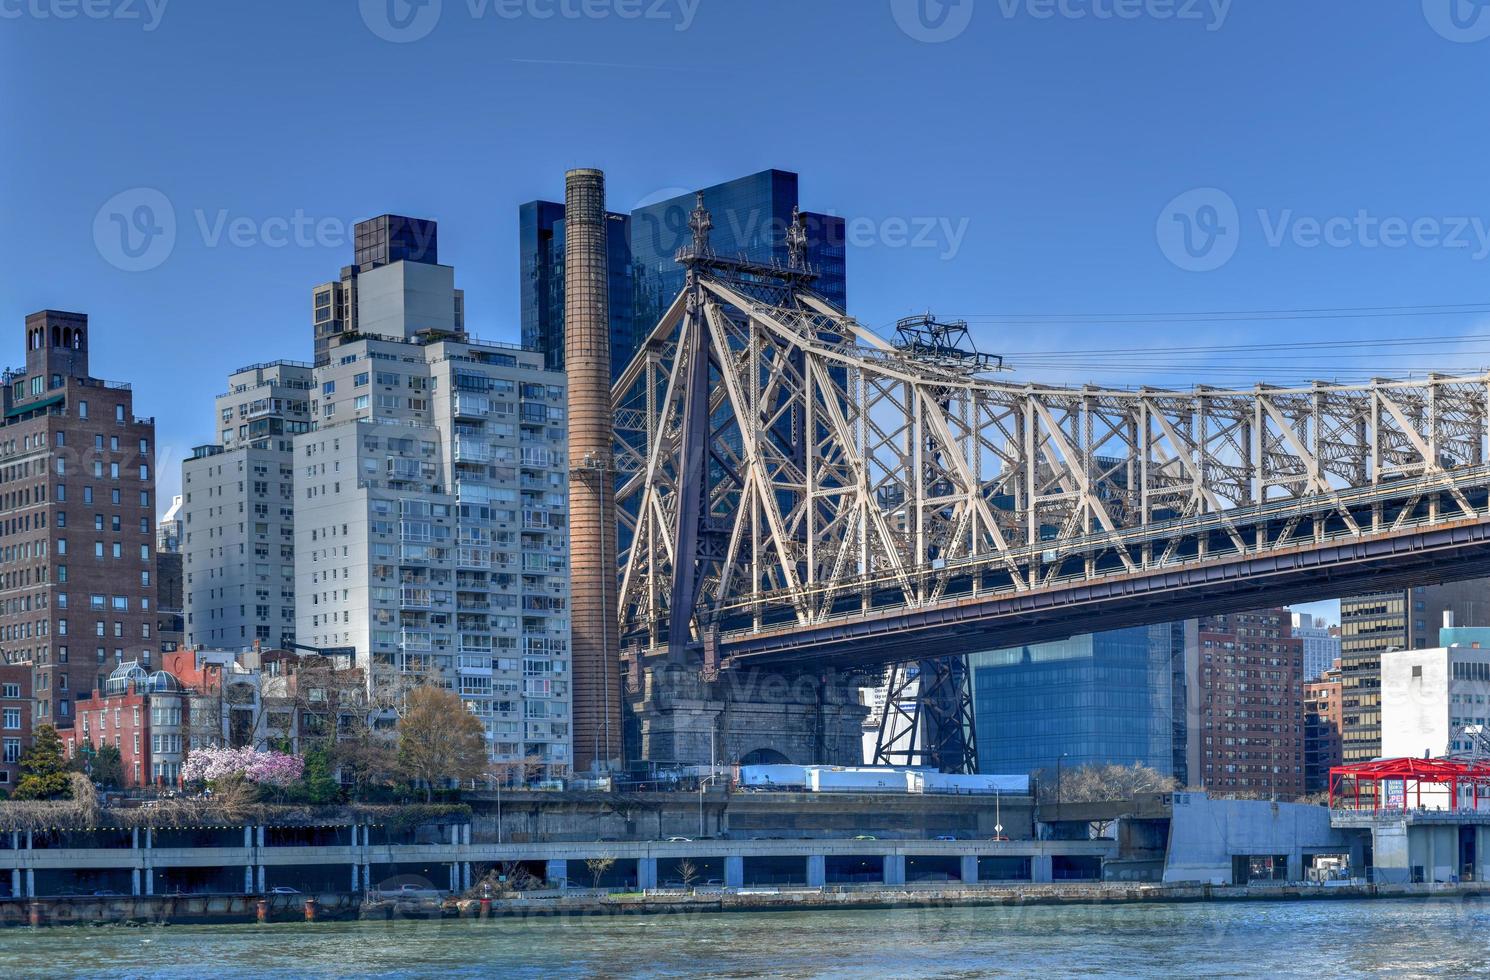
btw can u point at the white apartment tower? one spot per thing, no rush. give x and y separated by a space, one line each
237 512
1321 644
431 501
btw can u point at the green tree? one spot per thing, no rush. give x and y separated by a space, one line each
108 767
317 785
439 739
43 768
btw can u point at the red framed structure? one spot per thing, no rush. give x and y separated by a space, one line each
1373 785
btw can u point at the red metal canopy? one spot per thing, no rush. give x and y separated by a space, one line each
1366 781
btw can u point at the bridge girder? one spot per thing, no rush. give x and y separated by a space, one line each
783 467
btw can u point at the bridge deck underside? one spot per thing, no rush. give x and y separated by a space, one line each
991 617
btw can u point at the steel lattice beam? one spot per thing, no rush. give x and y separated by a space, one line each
784 468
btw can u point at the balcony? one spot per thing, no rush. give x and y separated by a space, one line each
469 450
469 405
415 598
416 641
476 665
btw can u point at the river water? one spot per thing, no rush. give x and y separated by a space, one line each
1438 938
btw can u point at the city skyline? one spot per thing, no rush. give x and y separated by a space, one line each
1052 231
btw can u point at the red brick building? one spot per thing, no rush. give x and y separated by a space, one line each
1324 720
1248 712
142 714
15 721
77 521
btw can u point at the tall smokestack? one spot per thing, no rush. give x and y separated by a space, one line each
592 504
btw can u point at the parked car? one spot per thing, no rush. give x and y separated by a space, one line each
866 837
948 837
107 893
680 840
284 890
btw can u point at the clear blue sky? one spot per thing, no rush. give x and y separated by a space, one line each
1043 152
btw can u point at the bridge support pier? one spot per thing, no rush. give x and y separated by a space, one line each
803 717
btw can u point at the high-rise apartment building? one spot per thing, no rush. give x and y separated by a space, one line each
751 217
377 242
1405 619
238 516
1321 643
1116 697
1323 720
77 520
170 604
1248 717
431 513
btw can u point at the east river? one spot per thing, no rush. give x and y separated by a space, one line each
1438 938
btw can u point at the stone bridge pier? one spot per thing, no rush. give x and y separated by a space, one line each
746 716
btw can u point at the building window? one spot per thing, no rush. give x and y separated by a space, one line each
13 719
82 410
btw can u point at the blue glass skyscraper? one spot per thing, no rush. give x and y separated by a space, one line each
751 216
1107 698
541 290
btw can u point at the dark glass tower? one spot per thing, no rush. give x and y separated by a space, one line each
1115 697
751 216
541 231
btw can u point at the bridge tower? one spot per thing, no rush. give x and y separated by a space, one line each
685 708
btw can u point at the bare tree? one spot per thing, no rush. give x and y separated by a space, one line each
514 772
439 739
687 873
1102 784
598 866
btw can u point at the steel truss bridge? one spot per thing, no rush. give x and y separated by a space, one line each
795 490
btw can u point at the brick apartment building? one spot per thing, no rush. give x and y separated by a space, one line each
1248 711
1324 723
77 521
144 715
15 721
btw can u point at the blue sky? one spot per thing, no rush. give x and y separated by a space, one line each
998 161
